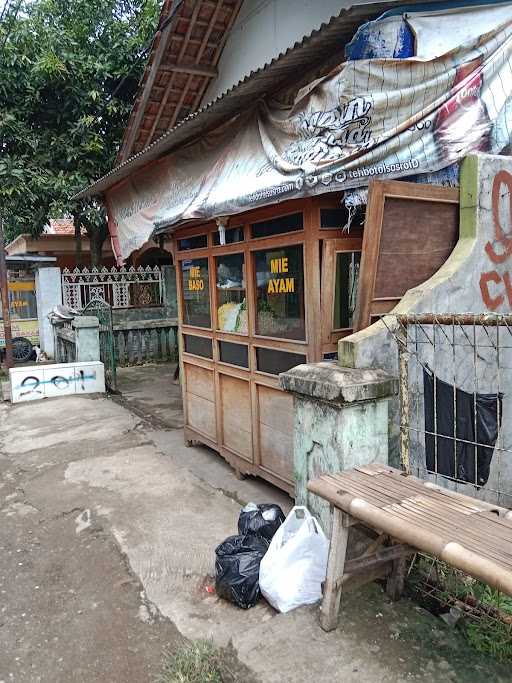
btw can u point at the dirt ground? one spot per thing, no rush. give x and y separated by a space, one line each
108 526
71 608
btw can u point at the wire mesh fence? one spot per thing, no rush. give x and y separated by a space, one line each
455 430
454 372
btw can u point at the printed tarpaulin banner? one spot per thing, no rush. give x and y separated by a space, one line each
369 118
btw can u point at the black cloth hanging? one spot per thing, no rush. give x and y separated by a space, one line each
456 458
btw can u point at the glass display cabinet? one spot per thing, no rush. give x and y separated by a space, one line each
275 289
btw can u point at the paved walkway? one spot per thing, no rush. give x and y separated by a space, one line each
108 526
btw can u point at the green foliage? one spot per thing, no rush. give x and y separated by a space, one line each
69 71
197 662
487 624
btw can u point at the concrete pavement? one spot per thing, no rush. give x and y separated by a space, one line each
115 522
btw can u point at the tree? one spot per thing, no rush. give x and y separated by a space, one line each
69 72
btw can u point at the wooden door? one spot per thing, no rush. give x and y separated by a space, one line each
410 230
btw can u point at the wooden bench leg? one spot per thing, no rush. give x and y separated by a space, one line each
335 567
396 580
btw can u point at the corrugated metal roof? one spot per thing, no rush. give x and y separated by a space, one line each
288 67
24 259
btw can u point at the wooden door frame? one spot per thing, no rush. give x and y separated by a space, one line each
331 247
378 192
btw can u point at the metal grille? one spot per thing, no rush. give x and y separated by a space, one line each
102 310
118 287
455 374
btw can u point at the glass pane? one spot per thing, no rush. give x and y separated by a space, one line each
199 346
231 303
331 356
22 300
196 292
277 226
236 354
280 292
333 218
274 362
233 235
195 242
345 294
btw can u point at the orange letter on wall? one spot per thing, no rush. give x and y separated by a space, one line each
502 237
492 303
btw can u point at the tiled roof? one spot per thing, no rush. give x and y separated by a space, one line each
182 63
60 226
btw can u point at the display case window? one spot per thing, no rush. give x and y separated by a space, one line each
273 361
278 226
232 236
235 354
195 242
231 301
331 356
333 218
22 300
196 292
345 293
199 346
280 292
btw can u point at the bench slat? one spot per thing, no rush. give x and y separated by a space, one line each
469 534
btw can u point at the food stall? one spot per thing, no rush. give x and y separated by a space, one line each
22 304
271 289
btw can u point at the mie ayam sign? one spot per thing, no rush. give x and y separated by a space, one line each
280 285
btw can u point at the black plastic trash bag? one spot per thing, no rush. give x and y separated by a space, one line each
263 520
237 569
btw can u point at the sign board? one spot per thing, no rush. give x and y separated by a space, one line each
368 118
61 379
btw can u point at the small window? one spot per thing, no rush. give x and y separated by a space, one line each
231 303
199 346
280 292
333 218
278 226
196 292
235 354
233 235
195 242
345 294
22 300
331 356
273 361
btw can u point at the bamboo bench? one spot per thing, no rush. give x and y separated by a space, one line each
408 515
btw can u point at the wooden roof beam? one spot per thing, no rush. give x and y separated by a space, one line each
192 69
162 37
169 85
202 48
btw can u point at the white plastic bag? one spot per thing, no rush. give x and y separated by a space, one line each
294 566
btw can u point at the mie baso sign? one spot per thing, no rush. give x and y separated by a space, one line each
195 281
280 285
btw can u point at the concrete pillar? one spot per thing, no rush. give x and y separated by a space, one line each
340 422
87 338
48 295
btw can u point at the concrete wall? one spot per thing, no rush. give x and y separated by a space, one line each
264 29
48 294
469 282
